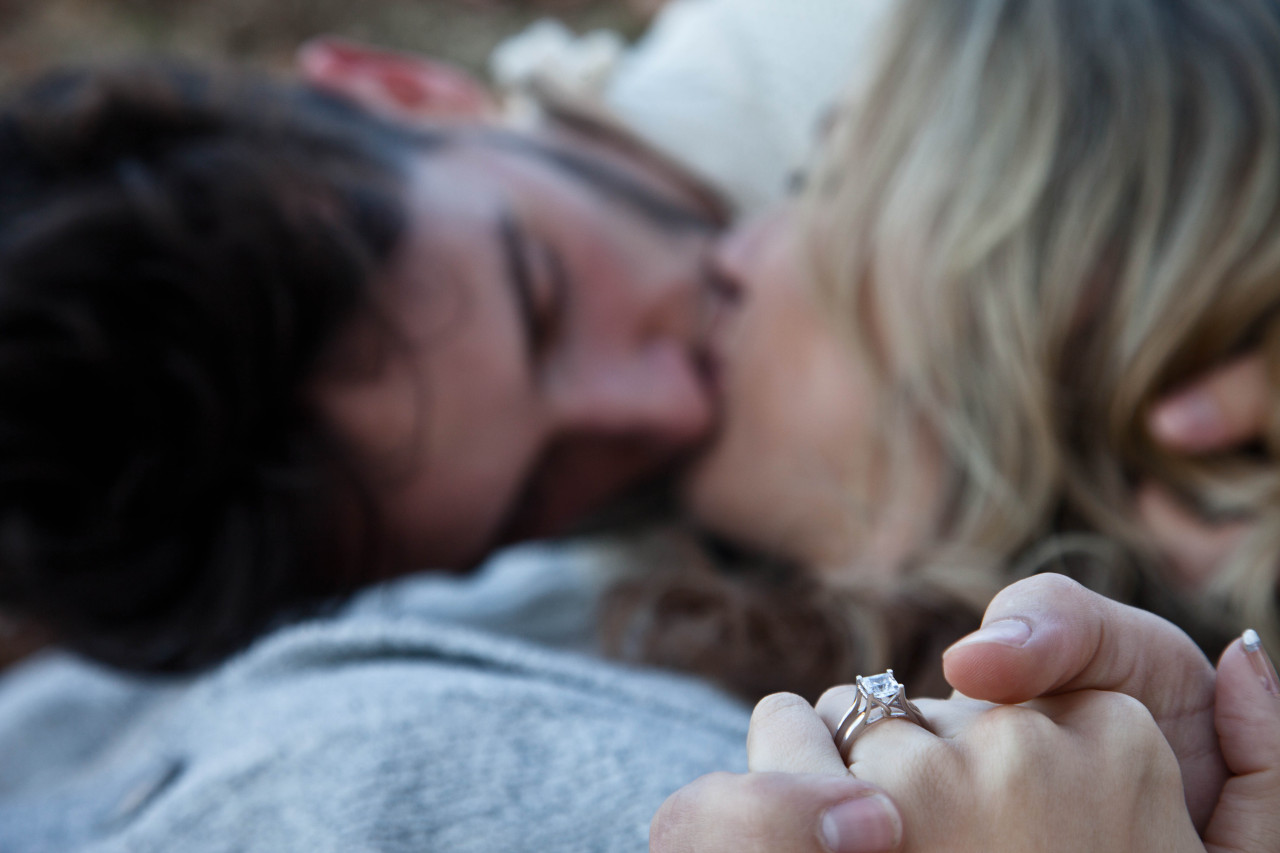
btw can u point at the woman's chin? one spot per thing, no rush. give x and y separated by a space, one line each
714 493
740 501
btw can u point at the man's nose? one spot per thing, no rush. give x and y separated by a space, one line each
657 391
641 371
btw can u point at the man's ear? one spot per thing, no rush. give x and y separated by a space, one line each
397 85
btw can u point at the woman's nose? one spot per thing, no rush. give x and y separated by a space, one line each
737 254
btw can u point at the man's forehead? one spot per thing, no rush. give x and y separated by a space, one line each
618 178
590 120
648 198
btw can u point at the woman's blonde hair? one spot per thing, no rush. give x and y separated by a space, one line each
1034 218
1038 216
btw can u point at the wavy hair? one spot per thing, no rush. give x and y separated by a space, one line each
1033 218
178 249
1038 217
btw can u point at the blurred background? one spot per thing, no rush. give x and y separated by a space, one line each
37 33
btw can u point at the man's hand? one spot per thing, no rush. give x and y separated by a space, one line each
1087 770
1223 410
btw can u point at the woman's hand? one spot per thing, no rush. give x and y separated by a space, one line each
1076 641
1247 819
1084 771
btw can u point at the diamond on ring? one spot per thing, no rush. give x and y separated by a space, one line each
880 697
883 686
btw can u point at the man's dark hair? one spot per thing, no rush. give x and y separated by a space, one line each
178 248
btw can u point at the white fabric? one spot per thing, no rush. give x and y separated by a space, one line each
733 90
736 89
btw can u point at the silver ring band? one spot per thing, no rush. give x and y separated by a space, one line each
880 697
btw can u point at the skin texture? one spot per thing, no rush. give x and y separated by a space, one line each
1109 762
774 476
1080 648
1077 640
519 401
796 400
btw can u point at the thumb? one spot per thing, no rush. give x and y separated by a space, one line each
776 813
1248 719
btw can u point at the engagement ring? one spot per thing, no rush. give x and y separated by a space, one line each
880 697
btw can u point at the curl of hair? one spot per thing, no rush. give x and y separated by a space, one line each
178 247
1040 218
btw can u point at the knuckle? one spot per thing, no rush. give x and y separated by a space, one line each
675 826
1133 749
781 725
1010 745
1013 725
1127 721
917 761
757 788
1121 706
1135 728
718 812
777 705
932 772
752 825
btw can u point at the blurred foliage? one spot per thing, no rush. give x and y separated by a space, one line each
38 33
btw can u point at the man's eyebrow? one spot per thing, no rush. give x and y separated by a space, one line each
613 183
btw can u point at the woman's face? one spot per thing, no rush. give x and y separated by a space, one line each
799 428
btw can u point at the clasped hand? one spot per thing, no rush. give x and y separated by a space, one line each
1114 747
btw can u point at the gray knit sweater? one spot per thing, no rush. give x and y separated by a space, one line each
434 714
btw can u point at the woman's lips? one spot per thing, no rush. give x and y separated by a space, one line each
723 296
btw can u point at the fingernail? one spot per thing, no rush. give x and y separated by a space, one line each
1261 662
1006 632
1192 418
868 824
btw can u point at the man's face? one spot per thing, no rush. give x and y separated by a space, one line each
546 308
